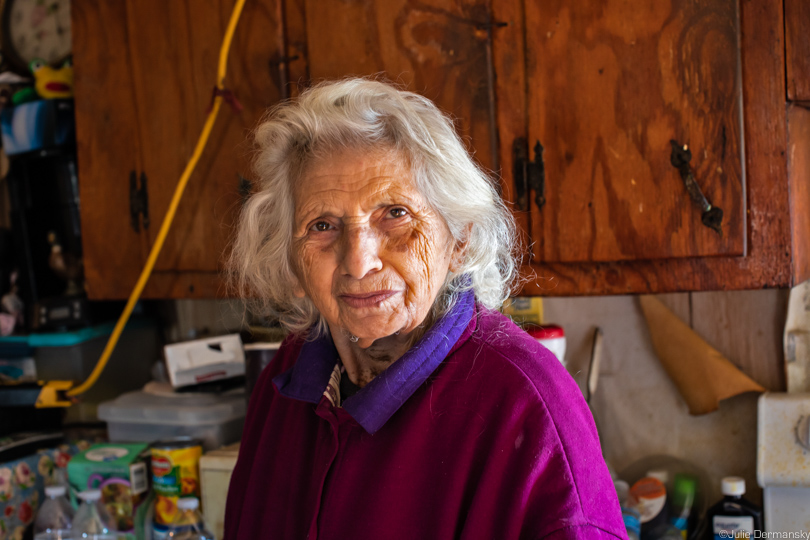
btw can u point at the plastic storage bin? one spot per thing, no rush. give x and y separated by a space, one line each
144 417
72 355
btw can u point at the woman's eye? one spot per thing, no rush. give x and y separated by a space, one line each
398 212
321 226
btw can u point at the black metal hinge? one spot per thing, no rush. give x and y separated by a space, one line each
138 201
529 175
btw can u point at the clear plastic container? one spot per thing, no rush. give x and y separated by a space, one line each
55 517
92 521
216 420
188 523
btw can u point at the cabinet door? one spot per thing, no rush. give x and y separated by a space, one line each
107 147
610 84
797 49
174 47
441 51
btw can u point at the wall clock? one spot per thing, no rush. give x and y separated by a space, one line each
36 29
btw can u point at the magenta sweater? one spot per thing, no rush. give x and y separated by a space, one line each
478 432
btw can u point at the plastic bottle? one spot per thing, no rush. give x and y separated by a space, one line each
632 523
651 495
188 523
671 532
55 517
630 515
92 521
734 514
682 514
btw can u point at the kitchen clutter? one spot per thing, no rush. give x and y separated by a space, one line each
128 491
144 481
665 498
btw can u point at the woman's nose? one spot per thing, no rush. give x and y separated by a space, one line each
361 252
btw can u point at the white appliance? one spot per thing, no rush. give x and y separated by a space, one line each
783 460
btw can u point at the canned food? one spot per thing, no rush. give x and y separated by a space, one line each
175 474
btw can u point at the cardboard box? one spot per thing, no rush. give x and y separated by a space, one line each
121 472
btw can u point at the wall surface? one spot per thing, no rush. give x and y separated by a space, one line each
638 409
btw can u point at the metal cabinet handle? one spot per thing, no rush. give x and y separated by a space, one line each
712 216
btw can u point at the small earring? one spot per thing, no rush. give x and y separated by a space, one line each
353 338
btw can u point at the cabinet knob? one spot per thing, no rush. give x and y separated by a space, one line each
680 157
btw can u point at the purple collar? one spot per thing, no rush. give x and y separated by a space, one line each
376 402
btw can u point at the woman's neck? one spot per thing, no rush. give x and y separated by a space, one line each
364 363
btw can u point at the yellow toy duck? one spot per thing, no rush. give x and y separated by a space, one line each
52 83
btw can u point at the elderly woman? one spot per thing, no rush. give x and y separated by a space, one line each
402 406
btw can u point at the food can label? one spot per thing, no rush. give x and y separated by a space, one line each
175 474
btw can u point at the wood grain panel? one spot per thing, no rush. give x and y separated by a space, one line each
295 31
768 262
175 60
107 147
746 326
611 83
798 169
185 284
510 66
438 49
797 48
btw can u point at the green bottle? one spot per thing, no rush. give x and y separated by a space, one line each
683 503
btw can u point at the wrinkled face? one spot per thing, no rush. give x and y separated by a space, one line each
369 250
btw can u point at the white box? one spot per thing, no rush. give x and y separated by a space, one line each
216 468
205 360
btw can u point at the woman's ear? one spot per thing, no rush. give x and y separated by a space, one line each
298 290
460 249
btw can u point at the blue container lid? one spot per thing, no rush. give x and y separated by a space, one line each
69 338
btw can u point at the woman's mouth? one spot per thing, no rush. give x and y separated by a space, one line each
367 299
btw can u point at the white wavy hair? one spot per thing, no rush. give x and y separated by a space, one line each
368 115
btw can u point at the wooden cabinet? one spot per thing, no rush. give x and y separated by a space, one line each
606 85
603 86
615 84
797 49
145 73
441 50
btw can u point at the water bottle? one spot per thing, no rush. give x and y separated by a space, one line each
55 516
631 517
92 521
188 523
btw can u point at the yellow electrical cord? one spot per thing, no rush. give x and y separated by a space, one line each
167 221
